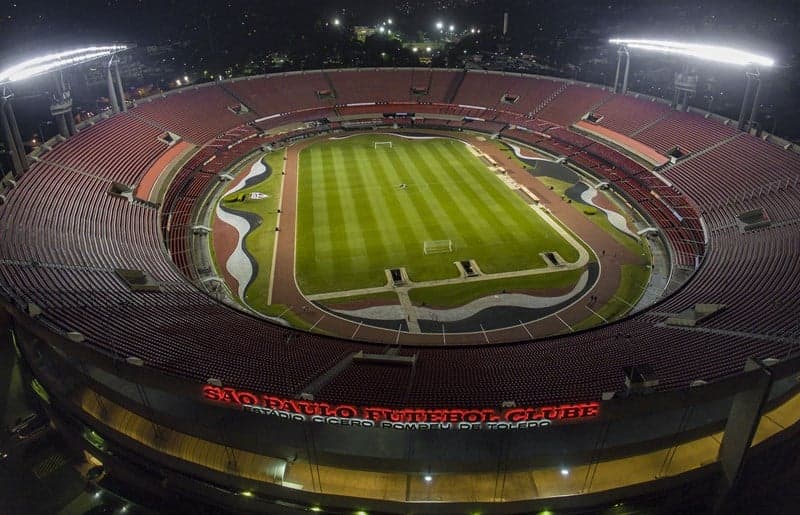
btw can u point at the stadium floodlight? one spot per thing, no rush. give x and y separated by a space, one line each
52 62
714 53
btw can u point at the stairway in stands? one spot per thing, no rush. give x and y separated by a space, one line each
238 99
452 90
547 100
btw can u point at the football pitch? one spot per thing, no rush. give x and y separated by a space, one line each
364 208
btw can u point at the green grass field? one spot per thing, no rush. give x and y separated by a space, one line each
354 221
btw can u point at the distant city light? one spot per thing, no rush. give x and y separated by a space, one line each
178 82
718 54
428 478
428 49
452 28
336 21
51 62
565 472
381 29
185 78
472 30
439 25
389 21
415 49
389 31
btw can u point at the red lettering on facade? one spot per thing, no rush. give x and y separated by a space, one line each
403 416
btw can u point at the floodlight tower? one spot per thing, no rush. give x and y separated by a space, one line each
686 83
61 105
14 145
622 51
753 77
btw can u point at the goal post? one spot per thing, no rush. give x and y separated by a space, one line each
383 144
437 246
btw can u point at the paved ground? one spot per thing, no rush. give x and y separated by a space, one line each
42 476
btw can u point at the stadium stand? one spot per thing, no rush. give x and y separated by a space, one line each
64 235
572 103
273 94
627 115
185 114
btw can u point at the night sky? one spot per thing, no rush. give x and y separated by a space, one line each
237 37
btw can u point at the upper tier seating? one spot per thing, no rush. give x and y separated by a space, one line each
280 93
185 112
626 114
571 104
689 131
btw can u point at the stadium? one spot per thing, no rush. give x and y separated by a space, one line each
203 342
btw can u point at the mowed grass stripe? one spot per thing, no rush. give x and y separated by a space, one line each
328 229
315 213
343 195
426 188
498 209
418 229
505 205
466 174
422 205
309 163
445 202
403 222
362 200
331 227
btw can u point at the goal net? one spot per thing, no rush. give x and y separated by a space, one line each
383 144
437 246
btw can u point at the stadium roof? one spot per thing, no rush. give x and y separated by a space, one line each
714 53
57 61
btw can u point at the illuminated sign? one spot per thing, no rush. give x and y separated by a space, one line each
405 418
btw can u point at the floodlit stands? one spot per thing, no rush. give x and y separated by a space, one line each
117 149
572 103
365 86
272 94
185 113
688 131
626 115
63 235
